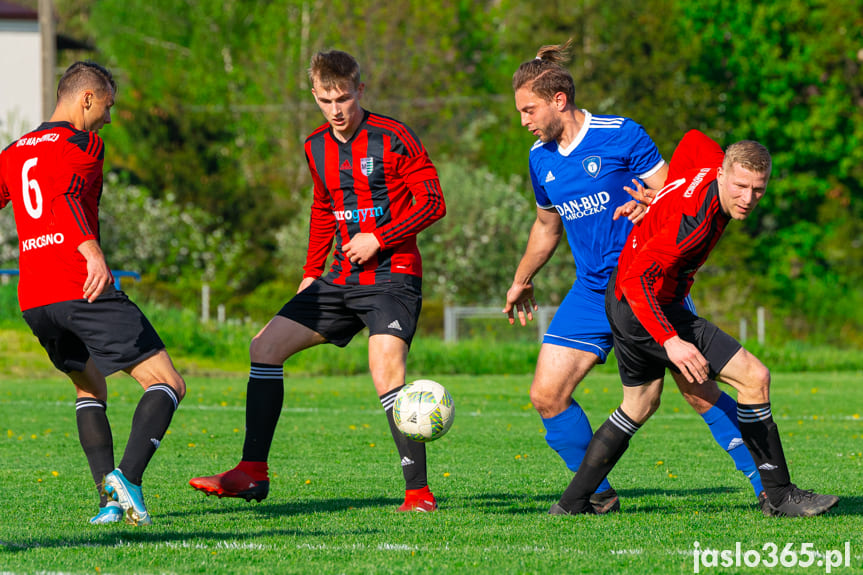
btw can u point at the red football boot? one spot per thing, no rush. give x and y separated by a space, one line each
418 500
248 480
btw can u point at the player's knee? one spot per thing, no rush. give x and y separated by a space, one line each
653 405
761 377
178 384
262 349
546 403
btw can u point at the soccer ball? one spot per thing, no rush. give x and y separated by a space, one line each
423 410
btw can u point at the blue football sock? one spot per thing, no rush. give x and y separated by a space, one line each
722 421
569 434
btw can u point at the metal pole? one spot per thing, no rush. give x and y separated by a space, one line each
449 324
742 329
760 325
205 303
48 34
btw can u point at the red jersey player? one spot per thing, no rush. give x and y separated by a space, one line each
53 177
375 189
653 330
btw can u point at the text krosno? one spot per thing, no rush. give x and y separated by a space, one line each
771 556
41 242
359 214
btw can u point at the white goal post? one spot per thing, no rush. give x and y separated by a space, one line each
452 314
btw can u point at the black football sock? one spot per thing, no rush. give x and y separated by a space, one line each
412 453
607 446
94 433
761 436
149 424
265 395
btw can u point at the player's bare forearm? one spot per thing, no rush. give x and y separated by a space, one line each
541 244
98 274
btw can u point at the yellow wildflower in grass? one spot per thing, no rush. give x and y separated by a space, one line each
446 474
55 473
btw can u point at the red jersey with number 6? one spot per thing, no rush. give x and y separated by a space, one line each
682 225
381 182
53 177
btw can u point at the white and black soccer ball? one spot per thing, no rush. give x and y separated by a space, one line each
423 410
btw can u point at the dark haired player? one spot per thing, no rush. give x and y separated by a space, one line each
653 330
53 177
375 189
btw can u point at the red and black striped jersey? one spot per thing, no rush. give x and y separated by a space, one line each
382 182
53 177
682 225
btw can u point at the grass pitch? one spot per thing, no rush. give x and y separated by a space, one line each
336 482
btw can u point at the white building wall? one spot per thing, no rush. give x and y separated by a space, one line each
20 78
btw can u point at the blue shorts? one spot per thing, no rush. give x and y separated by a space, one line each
580 323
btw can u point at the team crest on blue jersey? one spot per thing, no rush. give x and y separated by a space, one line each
592 164
367 166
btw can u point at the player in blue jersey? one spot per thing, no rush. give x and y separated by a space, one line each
579 168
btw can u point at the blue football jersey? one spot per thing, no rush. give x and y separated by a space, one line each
584 183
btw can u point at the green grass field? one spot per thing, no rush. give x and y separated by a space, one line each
336 483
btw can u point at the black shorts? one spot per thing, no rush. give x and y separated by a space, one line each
640 359
339 312
112 330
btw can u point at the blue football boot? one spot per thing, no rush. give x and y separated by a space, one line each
111 513
129 496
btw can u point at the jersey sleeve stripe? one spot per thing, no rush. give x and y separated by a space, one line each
72 199
648 279
435 196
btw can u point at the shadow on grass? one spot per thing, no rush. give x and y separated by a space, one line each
271 508
633 501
